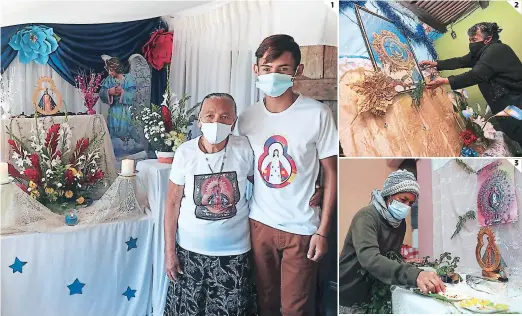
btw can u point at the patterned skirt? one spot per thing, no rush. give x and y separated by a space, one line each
212 285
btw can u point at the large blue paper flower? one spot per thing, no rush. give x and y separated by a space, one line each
34 43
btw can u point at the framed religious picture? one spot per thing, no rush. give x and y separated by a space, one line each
47 100
389 50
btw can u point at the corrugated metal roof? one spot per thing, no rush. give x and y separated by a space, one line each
440 14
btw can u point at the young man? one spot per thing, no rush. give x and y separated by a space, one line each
495 68
291 136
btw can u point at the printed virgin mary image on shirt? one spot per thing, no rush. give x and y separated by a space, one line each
430 79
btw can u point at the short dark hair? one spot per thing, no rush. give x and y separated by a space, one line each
276 45
116 65
487 28
219 95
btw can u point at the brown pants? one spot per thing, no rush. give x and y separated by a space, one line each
285 277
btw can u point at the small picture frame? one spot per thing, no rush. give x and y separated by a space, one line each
47 100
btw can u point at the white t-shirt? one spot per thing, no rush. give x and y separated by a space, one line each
213 218
287 148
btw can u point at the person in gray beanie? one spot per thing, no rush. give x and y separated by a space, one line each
376 230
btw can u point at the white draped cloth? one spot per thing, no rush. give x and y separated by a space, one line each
454 194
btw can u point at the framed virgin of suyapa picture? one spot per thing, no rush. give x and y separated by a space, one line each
389 50
47 100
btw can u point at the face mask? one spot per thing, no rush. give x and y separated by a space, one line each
398 210
474 48
215 132
275 84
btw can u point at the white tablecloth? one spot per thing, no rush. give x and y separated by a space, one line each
110 260
155 177
407 302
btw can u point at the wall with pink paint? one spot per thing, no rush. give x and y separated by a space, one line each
424 177
357 179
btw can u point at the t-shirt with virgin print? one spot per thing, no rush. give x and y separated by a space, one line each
287 148
213 217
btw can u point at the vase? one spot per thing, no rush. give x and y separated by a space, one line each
165 157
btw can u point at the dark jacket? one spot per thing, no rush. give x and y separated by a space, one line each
497 71
369 239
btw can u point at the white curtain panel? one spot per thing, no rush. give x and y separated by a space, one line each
455 193
24 79
214 45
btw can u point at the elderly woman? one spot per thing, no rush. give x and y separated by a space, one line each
376 230
207 238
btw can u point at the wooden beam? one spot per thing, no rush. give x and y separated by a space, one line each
330 62
312 58
319 89
425 17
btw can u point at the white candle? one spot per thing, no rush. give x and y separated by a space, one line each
4 173
127 167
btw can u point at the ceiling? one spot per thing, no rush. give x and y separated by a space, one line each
440 14
89 12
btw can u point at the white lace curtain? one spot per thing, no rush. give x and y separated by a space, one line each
455 193
24 78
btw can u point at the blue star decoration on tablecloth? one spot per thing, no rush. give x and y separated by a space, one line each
76 287
131 243
17 265
129 293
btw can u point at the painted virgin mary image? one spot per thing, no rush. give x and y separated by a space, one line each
47 103
118 90
276 168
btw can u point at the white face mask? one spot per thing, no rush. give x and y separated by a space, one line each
215 132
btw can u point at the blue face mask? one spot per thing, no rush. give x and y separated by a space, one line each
274 84
398 210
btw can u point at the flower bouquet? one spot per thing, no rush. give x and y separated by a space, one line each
89 85
477 135
166 126
53 172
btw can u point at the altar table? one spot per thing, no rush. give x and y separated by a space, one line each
97 270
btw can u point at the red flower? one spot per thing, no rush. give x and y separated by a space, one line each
69 177
32 174
167 118
17 148
81 147
51 141
95 176
14 172
158 50
468 137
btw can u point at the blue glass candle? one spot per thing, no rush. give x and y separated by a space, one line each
71 218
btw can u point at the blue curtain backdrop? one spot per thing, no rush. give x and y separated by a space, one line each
81 47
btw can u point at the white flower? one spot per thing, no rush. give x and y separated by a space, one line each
163 129
43 179
162 135
155 139
29 189
16 155
147 136
79 185
59 185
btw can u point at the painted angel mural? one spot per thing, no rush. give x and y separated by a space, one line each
121 90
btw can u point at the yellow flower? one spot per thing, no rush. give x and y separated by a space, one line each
49 190
35 194
80 200
68 194
32 185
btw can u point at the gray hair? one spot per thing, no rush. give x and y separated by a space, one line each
219 95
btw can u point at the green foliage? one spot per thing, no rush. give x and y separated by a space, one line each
445 265
464 166
462 220
417 93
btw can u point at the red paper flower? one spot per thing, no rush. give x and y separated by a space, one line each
32 174
468 137
167 118
51 141
69 176
158 50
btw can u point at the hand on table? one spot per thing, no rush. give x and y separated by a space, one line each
172 266
437 82
318 247
430 282
427 63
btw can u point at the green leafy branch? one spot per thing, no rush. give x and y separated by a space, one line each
462 220
464 166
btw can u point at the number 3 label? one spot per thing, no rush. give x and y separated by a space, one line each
517 163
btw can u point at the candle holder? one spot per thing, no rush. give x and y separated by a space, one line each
129 175
71 217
